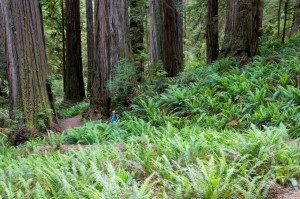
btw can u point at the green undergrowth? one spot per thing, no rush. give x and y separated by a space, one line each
66 110
164 162
222 131
227 96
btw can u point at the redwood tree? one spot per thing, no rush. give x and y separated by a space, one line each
166 35
112 44
296 22
212 31
156 32
90 39
26 62
73 77
242 32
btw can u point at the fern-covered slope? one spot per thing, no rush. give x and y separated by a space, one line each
210 135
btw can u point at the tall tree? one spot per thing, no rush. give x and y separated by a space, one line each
26 62
112 44
286 5
242 31
212 31
296 22
137 9
166 34
279 18
90 39
73 77
173 37
156 32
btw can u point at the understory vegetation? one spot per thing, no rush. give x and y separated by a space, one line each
220 131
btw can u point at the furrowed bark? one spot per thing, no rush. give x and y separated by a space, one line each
26 62
166 35
242 32
90 39
212 32
73 77
112 44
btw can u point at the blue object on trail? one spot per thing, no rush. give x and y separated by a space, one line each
114 117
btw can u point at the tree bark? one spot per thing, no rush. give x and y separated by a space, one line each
112 44
296 22
173 37
90 39
166 35
278 18
26 62
156 32
137 35
242 32
73 77
63 34
212 32
286 4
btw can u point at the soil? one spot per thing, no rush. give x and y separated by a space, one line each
21 135
70 123
290 194
279 192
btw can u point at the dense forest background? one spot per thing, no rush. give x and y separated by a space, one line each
102 57
207 95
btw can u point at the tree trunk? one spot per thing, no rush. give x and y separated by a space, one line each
242 32
296 22
137 35
212 32
286 4
173 37
156 33
278 18
63 25
26 63
73 77
112 44
90 39
166 35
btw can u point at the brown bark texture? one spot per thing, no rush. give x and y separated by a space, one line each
112 45
156 31
242 31
90 39
212 31
166 35
26 62
137 9
296 22
279 18
73 77
284 33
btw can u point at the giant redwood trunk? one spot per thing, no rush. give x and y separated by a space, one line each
112 44
26 62
73 77
166 35
296 22
137 9
90 39
212 31
156 32
242 32
173 37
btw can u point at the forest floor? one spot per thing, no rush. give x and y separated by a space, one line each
71 122
288 193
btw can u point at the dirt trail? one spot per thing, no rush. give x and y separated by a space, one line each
71 122
290 194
